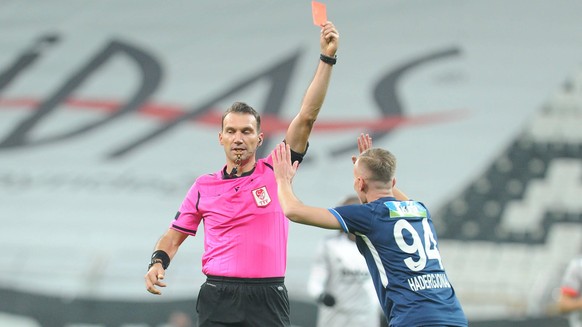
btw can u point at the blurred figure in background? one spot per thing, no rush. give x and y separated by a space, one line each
570 300
341 284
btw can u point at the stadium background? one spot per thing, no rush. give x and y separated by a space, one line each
109 110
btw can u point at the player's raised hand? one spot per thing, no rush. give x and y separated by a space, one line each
284 169
364 143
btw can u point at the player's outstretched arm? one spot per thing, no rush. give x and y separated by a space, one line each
300 128
294 209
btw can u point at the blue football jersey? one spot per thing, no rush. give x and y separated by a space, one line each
399 242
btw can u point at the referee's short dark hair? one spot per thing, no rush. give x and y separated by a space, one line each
243 108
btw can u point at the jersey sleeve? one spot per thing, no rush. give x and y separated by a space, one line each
353 218
188 217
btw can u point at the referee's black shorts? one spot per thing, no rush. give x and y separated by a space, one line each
243 302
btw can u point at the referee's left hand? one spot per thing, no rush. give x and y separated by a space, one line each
154 278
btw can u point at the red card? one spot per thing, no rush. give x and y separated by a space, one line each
319 13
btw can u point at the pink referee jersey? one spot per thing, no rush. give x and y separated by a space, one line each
245 231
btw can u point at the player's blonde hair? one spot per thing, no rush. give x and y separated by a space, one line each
380 164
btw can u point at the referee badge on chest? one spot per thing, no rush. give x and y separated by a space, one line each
261 196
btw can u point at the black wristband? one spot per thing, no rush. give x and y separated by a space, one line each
153 262
328 60
161 257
